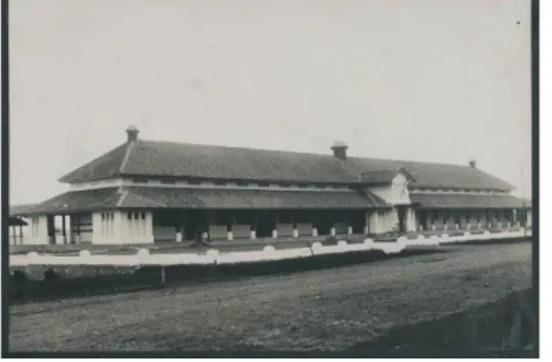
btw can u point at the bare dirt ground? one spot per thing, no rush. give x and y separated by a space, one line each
329 309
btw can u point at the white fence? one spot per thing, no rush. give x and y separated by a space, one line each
143 256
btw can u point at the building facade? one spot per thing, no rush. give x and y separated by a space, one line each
150 191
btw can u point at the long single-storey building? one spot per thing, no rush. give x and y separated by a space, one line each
150 191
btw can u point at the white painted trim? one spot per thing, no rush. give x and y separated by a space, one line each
143 257
97 184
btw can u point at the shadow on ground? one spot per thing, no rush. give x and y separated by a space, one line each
504 328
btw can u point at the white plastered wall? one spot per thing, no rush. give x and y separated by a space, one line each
38 234
122 230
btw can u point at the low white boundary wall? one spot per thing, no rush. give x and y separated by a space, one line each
143 257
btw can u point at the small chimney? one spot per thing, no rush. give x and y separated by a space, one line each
339 149
473 164
132 133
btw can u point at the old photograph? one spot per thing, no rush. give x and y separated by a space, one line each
227 178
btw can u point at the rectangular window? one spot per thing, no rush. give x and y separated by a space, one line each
111 223
143 215
102 224
168 182
219 183
194 181
136 223
129 215
242 184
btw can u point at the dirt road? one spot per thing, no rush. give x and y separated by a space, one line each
319 310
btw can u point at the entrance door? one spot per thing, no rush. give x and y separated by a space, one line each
401 212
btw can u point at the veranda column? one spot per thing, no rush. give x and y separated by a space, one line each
63 229
14 234
275 229
230 221
253 225
77 219
180 226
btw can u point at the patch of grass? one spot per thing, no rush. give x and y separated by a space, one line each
490 330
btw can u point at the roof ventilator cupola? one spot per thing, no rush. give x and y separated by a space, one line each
339 149
132 133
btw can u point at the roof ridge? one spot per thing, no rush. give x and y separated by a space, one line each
93 163
124 195
127 155
177 143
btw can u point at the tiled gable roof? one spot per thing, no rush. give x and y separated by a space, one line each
157 158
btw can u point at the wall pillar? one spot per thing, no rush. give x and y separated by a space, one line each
410 219
373 222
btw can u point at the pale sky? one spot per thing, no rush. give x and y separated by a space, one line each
423 80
